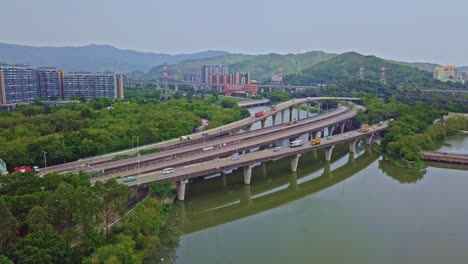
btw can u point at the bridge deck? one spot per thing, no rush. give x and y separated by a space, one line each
445 157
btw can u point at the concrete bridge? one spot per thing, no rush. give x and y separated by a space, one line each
445 157
250 160
226 145
242 125
253 103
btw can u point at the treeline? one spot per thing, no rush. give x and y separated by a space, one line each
100 126
413 130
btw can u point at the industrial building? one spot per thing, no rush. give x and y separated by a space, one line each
21 84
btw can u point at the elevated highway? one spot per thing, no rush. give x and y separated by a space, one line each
228 145
244 124
250 160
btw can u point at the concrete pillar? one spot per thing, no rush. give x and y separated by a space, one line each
247 128
318 134
181 189
298 112
331 130
247 174
290 113
294 162
342 127
309 136
282 116
308 109
315 154
270 89
273 119
328 153
263 123
352 146
319 105
369 139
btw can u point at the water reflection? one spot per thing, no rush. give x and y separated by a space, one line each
402 175
272 186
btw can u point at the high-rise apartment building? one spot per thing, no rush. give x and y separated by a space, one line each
445 73
49 81
18 84
21 84
91 85
206 70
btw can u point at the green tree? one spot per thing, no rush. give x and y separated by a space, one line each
123 251
41 247
38 220
87 208
8 225
114 196
161 188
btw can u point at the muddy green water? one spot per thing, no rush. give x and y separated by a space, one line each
355 209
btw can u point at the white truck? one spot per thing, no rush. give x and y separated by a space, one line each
296 143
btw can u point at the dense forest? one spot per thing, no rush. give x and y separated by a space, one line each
63 219
101 126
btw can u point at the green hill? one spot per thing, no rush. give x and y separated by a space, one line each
345 67
261 67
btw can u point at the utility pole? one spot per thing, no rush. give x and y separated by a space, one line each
45 159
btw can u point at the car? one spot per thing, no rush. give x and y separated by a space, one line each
167 170
329 137
129 179
235 156
36 168
276 149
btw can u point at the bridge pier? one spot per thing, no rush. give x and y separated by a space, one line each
369 139
224 180
298 112
319 106
248 128
273 120
263 123
290 113
247 174
328 153
351 159
307 109
295 162
352 146
342 127
270 89
318 134
181 189
331 130
264 171
282 116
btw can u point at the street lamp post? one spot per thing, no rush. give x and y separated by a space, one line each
45 159
138 155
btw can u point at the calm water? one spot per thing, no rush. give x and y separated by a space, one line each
457 144
355 209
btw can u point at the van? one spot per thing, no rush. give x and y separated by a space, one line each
296 143
167 170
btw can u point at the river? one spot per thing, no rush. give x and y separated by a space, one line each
356 209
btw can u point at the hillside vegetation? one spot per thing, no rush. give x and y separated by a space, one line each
261 67
345 67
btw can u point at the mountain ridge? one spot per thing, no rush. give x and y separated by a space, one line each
93 57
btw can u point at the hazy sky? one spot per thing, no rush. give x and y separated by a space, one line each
410 30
